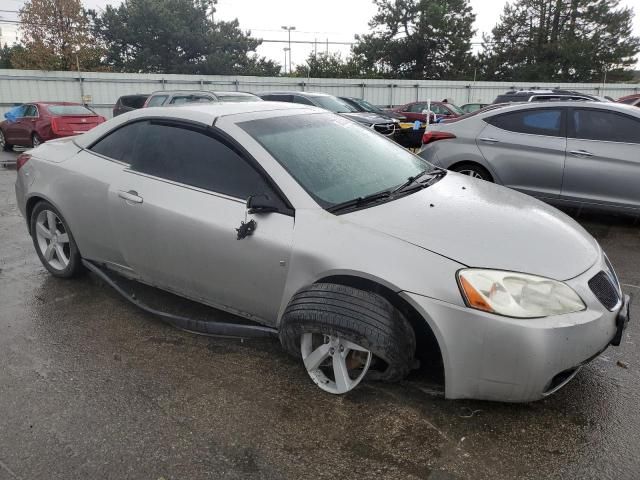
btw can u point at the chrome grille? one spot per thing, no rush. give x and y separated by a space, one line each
604 289
385 128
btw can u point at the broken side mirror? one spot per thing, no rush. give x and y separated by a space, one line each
261 204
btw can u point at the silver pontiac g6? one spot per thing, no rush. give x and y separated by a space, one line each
351 247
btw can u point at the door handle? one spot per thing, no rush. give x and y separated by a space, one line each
489 140
130 196
581 153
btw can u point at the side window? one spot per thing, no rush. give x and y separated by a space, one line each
189 156
605 126
536 122
179 100
440 110
119 144
416 107
281 98
302 100
30 111
157 100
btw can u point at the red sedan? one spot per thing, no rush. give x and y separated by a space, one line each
413 111
631 100
34 123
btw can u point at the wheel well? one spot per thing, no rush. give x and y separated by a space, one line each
470 163
31 203
427 347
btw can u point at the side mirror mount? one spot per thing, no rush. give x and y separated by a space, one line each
261 204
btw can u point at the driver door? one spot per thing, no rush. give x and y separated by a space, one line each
177 208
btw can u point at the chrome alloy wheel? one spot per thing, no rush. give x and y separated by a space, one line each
53 240
36 141
335 364
471 173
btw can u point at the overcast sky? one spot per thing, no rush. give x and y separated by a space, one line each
336 20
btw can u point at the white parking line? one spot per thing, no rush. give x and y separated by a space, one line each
629 285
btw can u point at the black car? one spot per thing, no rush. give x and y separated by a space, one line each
126 103
381 123
545 96
363 106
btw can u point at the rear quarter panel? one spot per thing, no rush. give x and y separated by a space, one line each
463 148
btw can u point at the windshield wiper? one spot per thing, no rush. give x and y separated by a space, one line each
360 201
414 180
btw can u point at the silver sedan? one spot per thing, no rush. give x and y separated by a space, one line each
565 153
360 255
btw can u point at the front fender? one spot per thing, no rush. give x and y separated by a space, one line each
326 245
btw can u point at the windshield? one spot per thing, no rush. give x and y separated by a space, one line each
238 98
335 159
367 106
457 110
333 104
69 110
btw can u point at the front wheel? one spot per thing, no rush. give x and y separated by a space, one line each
343 334
54 242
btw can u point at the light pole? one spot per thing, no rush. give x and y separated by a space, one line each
286 49
288 29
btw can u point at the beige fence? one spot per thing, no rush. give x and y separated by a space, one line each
101 90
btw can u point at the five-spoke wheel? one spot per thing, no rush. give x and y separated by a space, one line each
54 242
335 364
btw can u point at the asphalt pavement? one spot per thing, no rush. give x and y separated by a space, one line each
92 387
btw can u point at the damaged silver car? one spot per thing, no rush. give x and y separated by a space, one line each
358 254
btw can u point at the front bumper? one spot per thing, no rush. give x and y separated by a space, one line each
490 357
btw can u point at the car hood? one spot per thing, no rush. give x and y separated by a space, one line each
480 224
369 118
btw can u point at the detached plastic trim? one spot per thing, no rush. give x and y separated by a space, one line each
201 327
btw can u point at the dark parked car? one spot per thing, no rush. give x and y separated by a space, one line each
441 111
363 106
380 123
180 97
38 122
545 96
126 103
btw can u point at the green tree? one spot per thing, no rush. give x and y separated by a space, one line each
56 34
332 65
419 39
7 55
177 36
563 40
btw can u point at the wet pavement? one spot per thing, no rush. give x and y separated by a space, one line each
91 387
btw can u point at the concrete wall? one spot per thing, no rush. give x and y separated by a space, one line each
19 86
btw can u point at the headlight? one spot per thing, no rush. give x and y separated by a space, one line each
517 294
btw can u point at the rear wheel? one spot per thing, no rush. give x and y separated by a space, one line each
6 147
473 170
36 141
343 334
54 242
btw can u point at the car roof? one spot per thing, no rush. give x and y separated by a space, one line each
620 107
232 93
52 103
174 92
203 113
296 92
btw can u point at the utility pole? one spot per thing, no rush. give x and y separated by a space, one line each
288 29
286 49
